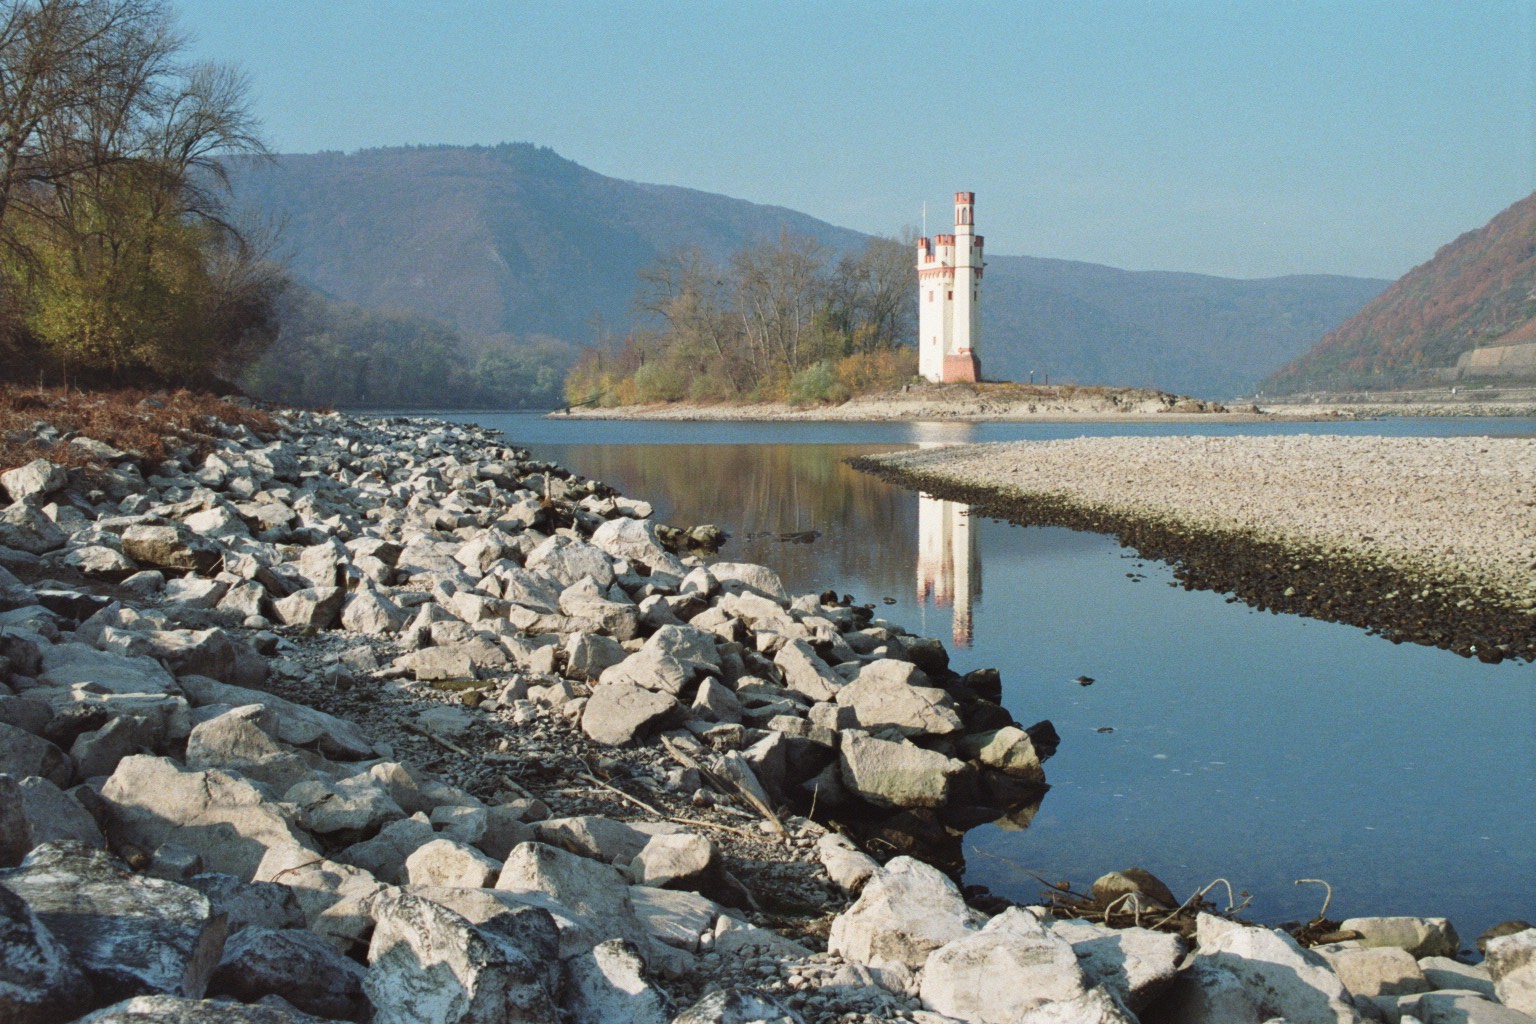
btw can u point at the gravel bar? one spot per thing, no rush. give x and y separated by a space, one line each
1427 539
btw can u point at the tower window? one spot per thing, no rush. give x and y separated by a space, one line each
950 295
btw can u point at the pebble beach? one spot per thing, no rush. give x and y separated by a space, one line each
1454 517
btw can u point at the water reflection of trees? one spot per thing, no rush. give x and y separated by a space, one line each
759 492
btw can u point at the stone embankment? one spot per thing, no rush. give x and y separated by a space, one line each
382 721
1429 539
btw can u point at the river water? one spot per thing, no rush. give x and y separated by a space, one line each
1215 741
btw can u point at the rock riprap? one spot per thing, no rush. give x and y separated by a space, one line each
384 720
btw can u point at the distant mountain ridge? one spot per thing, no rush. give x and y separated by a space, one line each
515 240
1477 291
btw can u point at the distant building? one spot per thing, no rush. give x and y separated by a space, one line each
949 271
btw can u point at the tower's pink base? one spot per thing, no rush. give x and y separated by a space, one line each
961 369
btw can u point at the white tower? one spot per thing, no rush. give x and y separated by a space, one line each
949 269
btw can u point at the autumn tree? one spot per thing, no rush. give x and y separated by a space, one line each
115 242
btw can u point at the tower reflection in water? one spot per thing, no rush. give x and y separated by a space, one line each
948 572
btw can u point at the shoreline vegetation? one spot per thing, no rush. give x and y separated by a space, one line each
365 716
1421 539
1012 402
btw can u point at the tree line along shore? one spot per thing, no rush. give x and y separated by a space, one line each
321 716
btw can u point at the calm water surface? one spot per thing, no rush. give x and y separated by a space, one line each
1256 747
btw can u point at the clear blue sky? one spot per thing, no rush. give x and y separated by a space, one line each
1246 139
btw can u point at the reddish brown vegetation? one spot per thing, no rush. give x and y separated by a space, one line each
1479 289
145 423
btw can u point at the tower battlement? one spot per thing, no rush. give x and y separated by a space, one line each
949 270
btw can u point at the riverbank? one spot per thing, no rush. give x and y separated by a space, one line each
958 402
384 719
1422 539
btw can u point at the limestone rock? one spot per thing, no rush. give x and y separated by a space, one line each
314 608
24 528
1008 750
848 867
591 835
175 1010
447 862
676 918
15 830
70 664
41 982
470 659
243 740
531 929
296 724
171 547
1012 965
426 963
1443 972
23 754
636 541
300 966
224 818
748 578
130 935
894 695
1094 1006
1420 936
714 703
891 773
1375 970
1136 965
619 713
1512 964
368 611
98 751
100 561
567 561
737 1006
604 610
587 655
37 479
358 805
249 904
607 984
1241 974
681 861
805 673
587 887
906 911
384 855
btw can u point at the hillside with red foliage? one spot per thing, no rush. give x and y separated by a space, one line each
1478 290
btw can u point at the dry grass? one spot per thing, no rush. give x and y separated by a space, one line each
145 423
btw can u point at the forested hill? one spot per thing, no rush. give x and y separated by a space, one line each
1477 290
514 246
511 238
